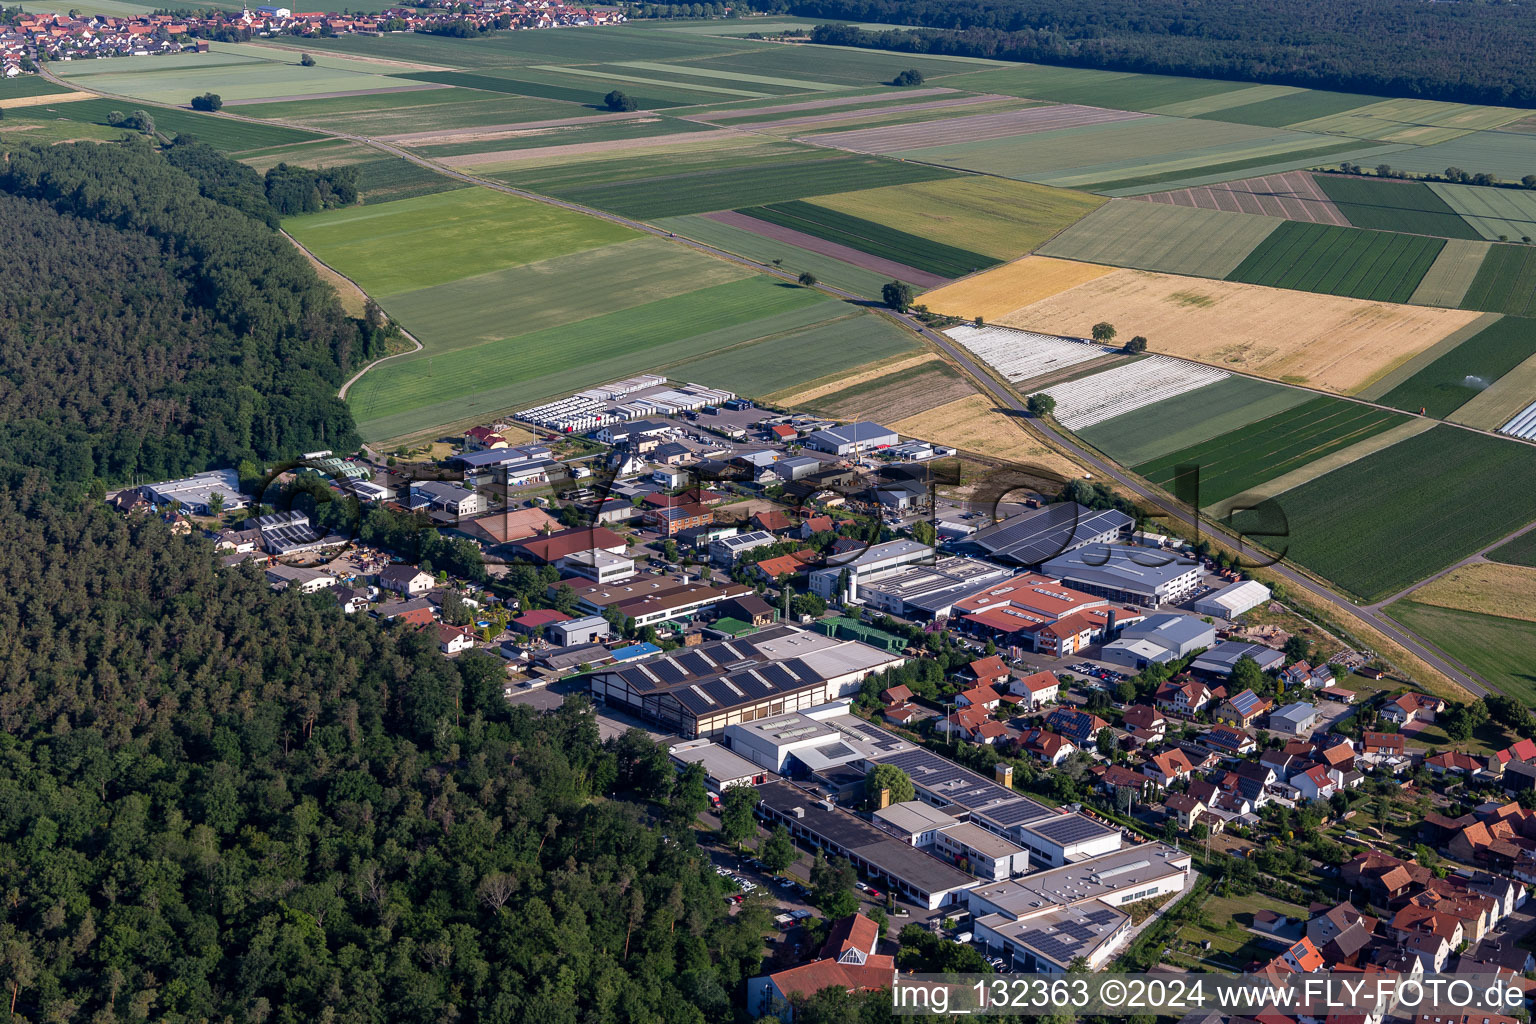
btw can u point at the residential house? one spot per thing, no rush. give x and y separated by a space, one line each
1168 767
1386 744
1186 808
351 599
1227 740
1315 783
979 696
772 994
988 671
1453 762
1412 707
453 639
1081 727
976 724
1048 747
405 580
773 521
1183 697
1146 725
1242 709
1038 689
1302 956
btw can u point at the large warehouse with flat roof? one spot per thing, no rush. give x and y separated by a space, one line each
699 691
1041 534
1143 576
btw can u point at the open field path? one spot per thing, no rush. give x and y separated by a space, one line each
1480 555
342 391
1154 497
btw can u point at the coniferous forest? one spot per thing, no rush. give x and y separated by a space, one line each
1468 52
218 802
147 330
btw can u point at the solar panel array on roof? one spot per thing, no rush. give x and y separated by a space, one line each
1245 703
747 685
1070 829
948 781
1041 534
1064 940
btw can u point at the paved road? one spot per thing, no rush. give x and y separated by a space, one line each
1411 642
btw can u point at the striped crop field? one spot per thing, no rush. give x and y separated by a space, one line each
1505 282
974 128
1234 462
1024 355
997 216
1497 214
1340 261
1292 195
1416 122
1188 419
1467 370
1409 206
1171 239
875 239
1452 273
1394 517
1122 389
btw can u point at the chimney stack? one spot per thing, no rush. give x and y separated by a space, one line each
1004 774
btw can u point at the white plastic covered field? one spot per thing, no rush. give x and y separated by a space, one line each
1126 388
1024 355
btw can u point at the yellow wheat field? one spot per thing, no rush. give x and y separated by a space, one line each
1488 587
831 385
46 100
1006 289
1325 341
975 424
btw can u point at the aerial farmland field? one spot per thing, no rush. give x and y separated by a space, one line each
414 243
1189 419
873 238
222 133
997 216
1448 278
1340 261
1388 205
1091 87
1505 282
1292 195
1520 551
1330 342
417 110
254 79
1467 370
1287 110
1171 239
1508 155
1246 457
1417 122
1495 647
1395 517
397 397
1497 214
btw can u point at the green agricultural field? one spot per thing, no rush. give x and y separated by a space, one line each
1191 418
1170 239
1123 155
1458 376
434 239
17 129
1114 89
784 361
841 65
744 112
1177 176
1501 650
1451 274
1392 518
1409 206
1520 551
875 239
407 395
188 61
382 178
692 80
1497 214
1419 122
997 216
254 80
1506 282
588 94
1507 155
1293 108
891 118
27 85
482 308
1340 261
1236 461
505 49
671 181
830 271
564 135
417 110
223 133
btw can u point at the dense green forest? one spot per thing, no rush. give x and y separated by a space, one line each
153 324
223 803
1470 52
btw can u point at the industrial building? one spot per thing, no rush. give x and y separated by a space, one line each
1041 534
852 438
810 742
1141 576
878 558
1040 614
1158 639
927 591
1230 602
722 769
652 599
1221 659
701 691
726 550
195 494
917 876
1044 922
1051 837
